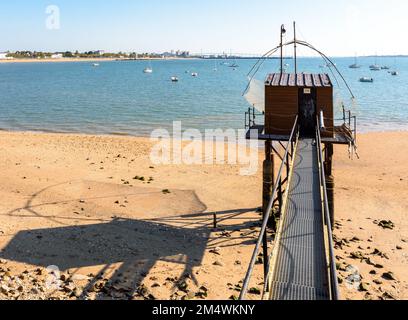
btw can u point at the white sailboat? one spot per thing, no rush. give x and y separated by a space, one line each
234 64
355 65
375 66
148 69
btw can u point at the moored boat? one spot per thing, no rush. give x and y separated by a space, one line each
366 79
375 67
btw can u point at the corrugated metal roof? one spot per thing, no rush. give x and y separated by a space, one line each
298 80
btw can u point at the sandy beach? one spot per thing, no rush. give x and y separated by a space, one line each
117 226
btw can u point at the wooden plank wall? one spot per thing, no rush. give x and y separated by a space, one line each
281 109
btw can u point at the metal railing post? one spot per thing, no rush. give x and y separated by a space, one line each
280 195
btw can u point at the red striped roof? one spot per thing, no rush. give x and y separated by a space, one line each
298 80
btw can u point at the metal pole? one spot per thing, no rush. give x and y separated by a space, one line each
281 55
295 43
283 31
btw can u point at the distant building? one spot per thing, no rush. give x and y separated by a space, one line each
3 55
100 52
178 53
57 56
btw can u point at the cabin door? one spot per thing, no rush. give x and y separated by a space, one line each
307 112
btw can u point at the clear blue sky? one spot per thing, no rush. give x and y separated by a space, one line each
339 28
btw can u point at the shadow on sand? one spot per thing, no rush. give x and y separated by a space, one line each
137 246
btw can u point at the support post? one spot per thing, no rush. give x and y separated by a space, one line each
330 180
330 194
268 176
268 180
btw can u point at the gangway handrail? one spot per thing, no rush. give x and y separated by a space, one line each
334 282
267 216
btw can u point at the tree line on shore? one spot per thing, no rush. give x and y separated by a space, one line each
69 54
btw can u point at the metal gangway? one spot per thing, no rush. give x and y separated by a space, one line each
302 264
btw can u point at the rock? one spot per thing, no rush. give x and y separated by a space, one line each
388 296
218 264
39 272
77 293
4 289
389 276
386 224
156 285
373 272
203 293
357 255
143 290
399 248
379 266
380 254
234 297
238 263
216 251
363 287
190 296
183 286
69 287
378 282
204 289
34 291
254 291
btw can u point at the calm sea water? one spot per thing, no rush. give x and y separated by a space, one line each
118 98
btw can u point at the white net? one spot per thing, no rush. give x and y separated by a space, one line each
255 95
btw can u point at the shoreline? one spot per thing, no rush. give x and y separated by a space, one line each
49 60
147 136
